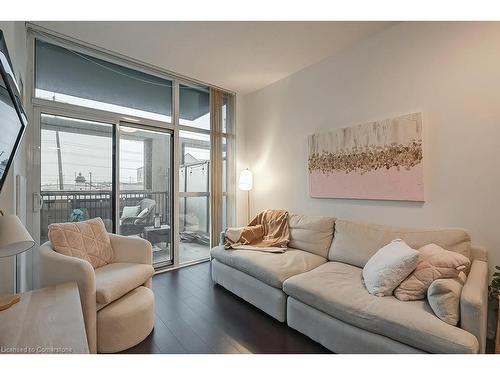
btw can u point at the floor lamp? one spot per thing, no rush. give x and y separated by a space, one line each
14 239
245 183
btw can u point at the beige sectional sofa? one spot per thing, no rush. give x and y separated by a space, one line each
316 287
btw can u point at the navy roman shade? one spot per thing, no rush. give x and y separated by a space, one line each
63 71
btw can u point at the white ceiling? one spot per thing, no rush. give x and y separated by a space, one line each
239 56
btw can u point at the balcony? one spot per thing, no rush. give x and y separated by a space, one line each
78 205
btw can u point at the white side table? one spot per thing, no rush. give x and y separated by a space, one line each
48 320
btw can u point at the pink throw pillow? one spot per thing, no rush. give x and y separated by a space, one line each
86 240
434 263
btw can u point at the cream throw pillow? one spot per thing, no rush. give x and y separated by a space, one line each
434 263
130 211
385 270
444 298
86 240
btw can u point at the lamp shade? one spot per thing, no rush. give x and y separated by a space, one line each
246 180
14 238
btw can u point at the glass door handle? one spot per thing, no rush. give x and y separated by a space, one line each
37 202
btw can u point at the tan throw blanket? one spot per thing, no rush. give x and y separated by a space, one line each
268 231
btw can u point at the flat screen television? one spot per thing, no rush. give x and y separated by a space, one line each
13 119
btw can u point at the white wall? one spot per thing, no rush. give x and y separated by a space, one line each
449 71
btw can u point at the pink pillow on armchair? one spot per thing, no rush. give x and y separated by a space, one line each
86 240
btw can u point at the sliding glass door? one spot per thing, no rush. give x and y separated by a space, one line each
78 170
146 188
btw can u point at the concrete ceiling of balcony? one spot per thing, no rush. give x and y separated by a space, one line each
240 56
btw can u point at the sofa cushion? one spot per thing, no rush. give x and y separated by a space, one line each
311 233
337 289
117 279
354 242
86 240
270 268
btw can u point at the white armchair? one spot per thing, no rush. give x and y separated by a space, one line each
117 300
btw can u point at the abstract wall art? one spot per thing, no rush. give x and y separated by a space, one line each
376 160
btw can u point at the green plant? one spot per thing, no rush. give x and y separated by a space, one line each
495 283
77 215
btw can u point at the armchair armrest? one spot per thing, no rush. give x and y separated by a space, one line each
131 219
474 303
57 268
131 249
128 219
479 253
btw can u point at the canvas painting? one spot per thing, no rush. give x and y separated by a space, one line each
376 160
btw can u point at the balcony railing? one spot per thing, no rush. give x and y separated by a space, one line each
63 206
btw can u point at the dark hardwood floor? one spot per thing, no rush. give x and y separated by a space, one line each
195 316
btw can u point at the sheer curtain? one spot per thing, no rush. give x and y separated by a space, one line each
223 166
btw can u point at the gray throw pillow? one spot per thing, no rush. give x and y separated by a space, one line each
444 298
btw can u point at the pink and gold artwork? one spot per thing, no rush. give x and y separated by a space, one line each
376 160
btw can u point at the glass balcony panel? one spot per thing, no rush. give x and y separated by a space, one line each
194 228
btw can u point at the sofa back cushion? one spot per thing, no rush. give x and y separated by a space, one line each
355 242
311 233
86 240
